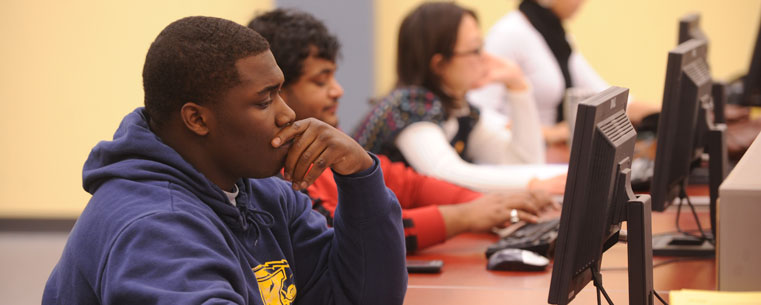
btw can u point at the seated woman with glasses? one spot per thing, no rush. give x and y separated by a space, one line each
427 122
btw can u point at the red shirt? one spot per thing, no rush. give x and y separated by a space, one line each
418 195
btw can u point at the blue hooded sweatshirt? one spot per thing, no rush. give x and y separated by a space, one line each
156 231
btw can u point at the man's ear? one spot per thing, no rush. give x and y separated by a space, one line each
437 63
195 117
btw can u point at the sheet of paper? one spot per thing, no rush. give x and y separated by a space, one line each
703 297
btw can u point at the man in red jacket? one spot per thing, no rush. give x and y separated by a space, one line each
432 210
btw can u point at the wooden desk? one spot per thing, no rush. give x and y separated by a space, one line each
465 280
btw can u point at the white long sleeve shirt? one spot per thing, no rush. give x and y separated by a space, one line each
503 159
513 37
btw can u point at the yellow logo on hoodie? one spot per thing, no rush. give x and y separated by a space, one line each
276 284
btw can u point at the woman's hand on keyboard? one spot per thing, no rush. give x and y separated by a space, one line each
493 210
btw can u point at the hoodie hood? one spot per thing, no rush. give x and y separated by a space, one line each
138 154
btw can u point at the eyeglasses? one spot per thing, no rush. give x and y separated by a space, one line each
476 52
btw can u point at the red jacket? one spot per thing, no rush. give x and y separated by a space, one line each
419 196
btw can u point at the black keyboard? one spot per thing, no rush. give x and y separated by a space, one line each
537 237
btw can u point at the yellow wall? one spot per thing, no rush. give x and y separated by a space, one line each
70 71
627 42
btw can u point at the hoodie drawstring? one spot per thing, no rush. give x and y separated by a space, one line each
255 219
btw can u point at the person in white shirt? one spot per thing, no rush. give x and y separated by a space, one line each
428 123
534 38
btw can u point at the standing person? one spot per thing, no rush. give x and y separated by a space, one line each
534 38
184 209
427 121
432 210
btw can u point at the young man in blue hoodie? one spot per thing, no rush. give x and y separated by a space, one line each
184 211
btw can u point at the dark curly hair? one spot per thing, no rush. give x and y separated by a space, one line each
291 34
193 60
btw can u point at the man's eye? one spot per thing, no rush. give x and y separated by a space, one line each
264 105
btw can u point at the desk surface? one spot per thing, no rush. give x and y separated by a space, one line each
465 280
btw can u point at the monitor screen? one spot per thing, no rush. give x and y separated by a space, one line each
752 81
686 101
596 194
689 28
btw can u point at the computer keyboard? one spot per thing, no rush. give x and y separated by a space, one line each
537 237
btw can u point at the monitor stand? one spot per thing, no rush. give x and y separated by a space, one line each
639 250
638 217
680 244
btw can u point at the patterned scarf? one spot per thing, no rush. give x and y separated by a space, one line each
401 108
551 28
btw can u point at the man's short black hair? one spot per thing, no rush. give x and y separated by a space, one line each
292 34
193 60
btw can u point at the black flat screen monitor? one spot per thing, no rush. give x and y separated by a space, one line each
686 129
680 133
752 81
689 28
598 198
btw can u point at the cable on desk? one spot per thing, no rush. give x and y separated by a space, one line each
683 196
597 280
659 297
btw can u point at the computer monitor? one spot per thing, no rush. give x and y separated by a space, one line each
598 198
752 81
689 28
685 131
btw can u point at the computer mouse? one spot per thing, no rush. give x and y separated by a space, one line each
512 259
